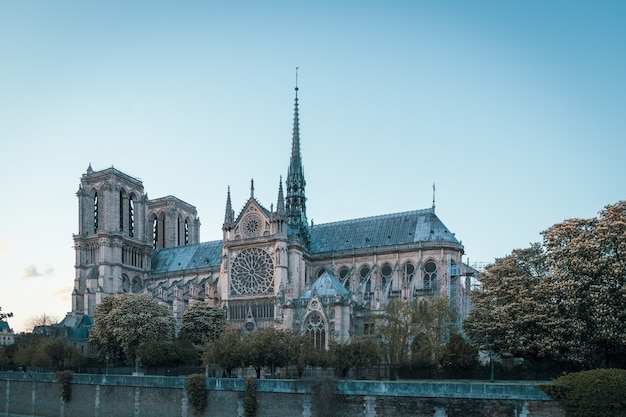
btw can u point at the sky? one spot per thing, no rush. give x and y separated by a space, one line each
515 110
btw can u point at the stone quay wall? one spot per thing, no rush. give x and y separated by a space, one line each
39 395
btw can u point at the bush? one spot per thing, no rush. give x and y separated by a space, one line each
196 393
595 393
65 378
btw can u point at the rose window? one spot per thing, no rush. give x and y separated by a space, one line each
252 272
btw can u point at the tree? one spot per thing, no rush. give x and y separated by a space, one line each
169 353
44 321
359 352
122 323
200 323
459 354
4 316
415 331
436 321
510 309
563 300
396 331
225 351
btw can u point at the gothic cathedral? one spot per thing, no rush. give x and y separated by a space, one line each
273 268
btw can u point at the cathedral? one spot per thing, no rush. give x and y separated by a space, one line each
272 268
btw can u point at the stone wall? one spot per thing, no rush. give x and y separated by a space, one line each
26 394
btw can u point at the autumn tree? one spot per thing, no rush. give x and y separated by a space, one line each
122 323
200 323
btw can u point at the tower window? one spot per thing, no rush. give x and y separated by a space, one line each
131 217
95 212
121 211
186 232
155 233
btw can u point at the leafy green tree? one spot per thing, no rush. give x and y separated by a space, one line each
171 353
122 323
225 351
200 323
265 347
436 321
459 354
358 352
396 331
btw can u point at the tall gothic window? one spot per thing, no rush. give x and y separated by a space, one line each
131 216
315 330
121 210
186 232
430 275
155 233
385 276
95 212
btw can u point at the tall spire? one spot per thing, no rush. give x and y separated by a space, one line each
229 216
296 199
280 205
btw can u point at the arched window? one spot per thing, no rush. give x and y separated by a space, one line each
316 331
385 275
186 232
364 273
343 275
131 216
95 212
409 271
121 214
155 232
430 275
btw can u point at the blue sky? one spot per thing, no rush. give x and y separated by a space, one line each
514 109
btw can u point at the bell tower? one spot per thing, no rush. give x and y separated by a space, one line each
113 249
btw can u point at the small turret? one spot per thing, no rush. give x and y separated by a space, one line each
229 215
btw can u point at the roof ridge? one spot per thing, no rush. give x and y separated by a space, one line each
379 216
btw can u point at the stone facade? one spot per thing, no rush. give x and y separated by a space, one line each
273 268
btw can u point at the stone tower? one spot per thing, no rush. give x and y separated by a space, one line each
119 229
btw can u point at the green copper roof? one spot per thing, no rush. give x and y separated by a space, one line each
419 226
377 231
187 257
327 285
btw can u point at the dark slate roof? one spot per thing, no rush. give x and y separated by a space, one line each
187 257
75 326
5 326
377 231
327 285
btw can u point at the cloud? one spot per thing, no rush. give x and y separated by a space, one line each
31 271
63 293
